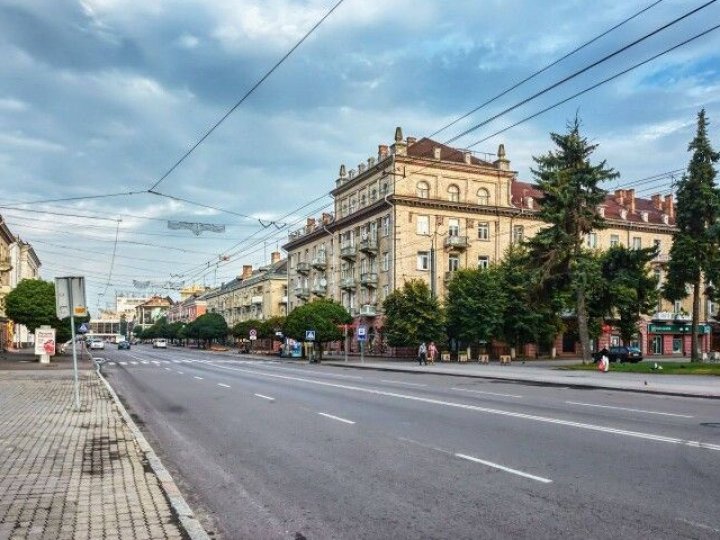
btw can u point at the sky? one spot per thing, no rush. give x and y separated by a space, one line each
100 97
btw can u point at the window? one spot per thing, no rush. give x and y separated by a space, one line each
483 197
483 231
658 276
422 225
658 246
518 232
386 225
363 200
386 291
343 208
453 263
423 260
614 240
454 193
385 189
386 261
453 227
677 306
591 240
352 206
423 190
636 242
483 261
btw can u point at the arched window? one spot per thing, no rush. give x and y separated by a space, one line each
423 190
454 193
483 196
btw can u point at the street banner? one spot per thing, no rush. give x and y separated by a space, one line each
45 341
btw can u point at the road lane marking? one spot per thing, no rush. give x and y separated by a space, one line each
181 373
112 363
628 409
168 369
223 385
133 362
155 362
283 368
196 377
402 382
265 397
326 415
145 362
506 469
176 361
123 363
487 410
485 393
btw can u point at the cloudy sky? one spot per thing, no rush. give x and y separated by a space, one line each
104 96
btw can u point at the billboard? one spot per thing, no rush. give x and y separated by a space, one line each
45 341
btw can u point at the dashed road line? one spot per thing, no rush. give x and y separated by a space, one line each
168 369
223 385
133 362
332 417
402 382
196 377
181 372
123 363
485 393
629 409
265 397
506 469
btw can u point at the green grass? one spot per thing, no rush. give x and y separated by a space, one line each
668 368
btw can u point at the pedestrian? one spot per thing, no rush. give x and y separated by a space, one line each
422 354
432 352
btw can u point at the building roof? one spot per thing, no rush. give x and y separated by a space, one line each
276 270
424 148
157 301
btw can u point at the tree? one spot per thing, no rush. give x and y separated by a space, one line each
208 327
412 315
32 303
475 305
695 251
241 330
569 206
322 315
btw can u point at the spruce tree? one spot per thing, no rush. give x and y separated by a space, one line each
694 254
572 193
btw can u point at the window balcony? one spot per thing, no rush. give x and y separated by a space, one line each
368 310
302 292
348 252
320 262
302 267
456 242
347 283
256 299
319 290
369 246
369 279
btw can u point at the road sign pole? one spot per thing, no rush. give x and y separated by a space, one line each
74 348
346 343
362 352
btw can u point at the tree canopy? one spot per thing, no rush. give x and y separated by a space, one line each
32 303
412 315
322 315
208 327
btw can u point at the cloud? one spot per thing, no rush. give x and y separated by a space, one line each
12 105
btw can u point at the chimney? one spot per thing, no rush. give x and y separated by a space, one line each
657 201
274 257
631 200
669 206
620 196
530 203
310 226
361 168
411 140
371 162
468 157
644 216
502 162
436 152
327 218
400 147
247 271
382 151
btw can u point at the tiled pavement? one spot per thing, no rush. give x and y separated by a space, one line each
73 475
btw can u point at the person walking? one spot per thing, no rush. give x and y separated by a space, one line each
422 354
432 352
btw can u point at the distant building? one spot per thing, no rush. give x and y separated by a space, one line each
25 265
187 309
125 304
6 241
147 313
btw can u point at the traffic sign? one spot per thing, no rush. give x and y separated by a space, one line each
70 297
83 328
253 334
362 333
309 335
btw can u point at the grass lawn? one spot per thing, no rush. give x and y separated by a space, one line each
668 368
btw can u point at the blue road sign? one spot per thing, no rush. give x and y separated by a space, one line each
83 328
309 335
362 333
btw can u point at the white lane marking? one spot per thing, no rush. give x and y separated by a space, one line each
155 362
283 368
145 362
123 363
336 418
700 525
523 416
112 363
628 409
265 397
402 382
133 362
176 361
181 373
223 385
196 377
485 393
168 369
506 469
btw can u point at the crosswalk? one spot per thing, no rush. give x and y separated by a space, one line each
163 363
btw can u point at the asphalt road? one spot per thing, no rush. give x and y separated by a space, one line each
267 449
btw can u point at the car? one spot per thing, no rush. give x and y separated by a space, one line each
97 344
620 354
66 347
123 345
160 344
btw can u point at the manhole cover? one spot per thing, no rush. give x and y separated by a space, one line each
710 424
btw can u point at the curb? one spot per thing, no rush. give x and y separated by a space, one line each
189 522
520 380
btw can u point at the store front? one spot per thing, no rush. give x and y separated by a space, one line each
674 338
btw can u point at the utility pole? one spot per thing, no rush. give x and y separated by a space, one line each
432 267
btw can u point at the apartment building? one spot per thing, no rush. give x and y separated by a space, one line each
255 294
187 309
6 241
25 265
423 210
147 313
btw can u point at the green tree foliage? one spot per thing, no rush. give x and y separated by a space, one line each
695 250
208 327
572 193
32 303
322 315
174 330
412 315
475 305
241 330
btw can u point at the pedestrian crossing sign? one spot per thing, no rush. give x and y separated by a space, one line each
309 335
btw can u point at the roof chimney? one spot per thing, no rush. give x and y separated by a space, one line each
382 151
657 201
669 206
327 218
400 147
502 162
247 271
620 196
468 157
437 152
411 140
310 225
631 200
274 257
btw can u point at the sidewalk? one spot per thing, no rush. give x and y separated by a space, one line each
70 475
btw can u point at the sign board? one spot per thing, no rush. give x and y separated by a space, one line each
677 328
83 328
45 341
309 335
362 333
70 297
253 334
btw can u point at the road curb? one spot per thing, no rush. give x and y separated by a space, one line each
521 380
189 522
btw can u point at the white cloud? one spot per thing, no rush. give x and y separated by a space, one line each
12 105
20 140
188 41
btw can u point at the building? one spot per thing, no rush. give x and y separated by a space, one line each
7 239
187 309
423 210
126 304
25 265
147 313
255 294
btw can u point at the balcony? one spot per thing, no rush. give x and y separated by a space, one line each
369 279
284 299
302 267
456 242
449 275
347 283
5 264
319 290
319 262
368 310
348 252
302 292
256 299
661 258
369 246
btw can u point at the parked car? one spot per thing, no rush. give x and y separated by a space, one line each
160 344
620 354
125 345
97 344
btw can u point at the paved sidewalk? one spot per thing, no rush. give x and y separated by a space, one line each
73 475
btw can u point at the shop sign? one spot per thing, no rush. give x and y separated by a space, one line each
677 328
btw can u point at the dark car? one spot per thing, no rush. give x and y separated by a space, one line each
620 354
124 345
